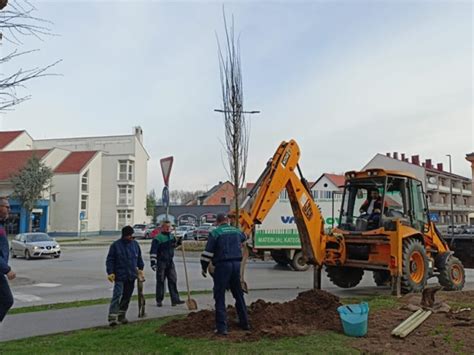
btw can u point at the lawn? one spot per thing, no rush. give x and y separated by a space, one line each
141 337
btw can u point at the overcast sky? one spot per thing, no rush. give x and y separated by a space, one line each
345 79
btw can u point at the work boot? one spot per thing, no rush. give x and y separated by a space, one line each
159 304
221 332
244 326
122 319
113 320
176 303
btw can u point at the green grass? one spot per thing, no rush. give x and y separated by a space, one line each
48 307
375 302
141 337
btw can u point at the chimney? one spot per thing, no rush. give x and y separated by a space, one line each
388 155
395 155
439 166
138 132
403 157
423 165
428 164
415 159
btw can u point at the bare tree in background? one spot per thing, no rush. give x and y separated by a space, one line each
237 128
17 21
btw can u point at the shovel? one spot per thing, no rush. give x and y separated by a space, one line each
141 297
190 303
243 265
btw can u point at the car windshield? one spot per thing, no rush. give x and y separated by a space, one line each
182 228
139 226
31 238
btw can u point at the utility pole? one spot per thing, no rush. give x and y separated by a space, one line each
451 197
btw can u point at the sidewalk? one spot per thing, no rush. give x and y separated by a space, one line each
27 325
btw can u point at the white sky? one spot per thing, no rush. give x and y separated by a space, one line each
345 79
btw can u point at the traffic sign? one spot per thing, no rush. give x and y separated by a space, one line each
166 164
165 196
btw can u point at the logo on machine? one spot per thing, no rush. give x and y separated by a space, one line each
287 219
285 159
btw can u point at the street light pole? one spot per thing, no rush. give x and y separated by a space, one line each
451 196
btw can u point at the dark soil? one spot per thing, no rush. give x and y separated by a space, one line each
311 310
440 333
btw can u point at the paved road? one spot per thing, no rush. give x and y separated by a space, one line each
80 275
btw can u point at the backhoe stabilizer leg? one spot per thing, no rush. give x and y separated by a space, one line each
317 277
396 286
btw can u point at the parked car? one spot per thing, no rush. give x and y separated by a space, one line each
34 245
455 229
202 232
185 232
149 229
468 230
139 230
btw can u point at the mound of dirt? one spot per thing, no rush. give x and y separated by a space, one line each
311 310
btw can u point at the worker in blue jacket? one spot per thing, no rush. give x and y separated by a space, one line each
224 249
124 264
161 261
6 272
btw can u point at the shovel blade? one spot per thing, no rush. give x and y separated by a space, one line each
191 304
243 284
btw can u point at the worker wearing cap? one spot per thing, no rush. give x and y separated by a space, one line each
223 248
124 264
161 261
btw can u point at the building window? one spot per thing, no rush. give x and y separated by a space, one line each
124 218
85 182
84 199
223 200
126 170
125 195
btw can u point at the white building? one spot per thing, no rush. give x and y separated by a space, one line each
436 182
100 181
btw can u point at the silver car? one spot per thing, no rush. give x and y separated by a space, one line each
34 245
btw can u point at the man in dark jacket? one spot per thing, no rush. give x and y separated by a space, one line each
124 264
372 207
6 297
224 249
161 260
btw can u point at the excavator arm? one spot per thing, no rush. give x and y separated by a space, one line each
279 174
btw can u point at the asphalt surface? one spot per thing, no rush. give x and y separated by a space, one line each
80 275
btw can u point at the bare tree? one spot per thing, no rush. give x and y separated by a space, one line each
17 21
237 128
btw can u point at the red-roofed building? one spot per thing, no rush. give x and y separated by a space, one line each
98 186
74 162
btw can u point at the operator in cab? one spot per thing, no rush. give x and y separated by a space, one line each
372 207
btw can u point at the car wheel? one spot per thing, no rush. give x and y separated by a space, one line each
12 253
27 254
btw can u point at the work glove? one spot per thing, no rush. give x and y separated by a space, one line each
204 273
141 275
111 277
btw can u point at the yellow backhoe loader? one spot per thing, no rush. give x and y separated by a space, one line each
384 226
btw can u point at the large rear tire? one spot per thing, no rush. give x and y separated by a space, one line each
414 267
382 277
452 275
345 277
299 262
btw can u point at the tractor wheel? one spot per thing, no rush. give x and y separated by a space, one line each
382 278
452 276
299 263
414 267
280 257
345 277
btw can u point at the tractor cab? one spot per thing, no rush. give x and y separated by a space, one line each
376 198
